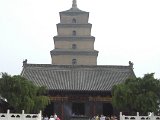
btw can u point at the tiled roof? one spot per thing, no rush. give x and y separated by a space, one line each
61 25
74 10
75 38
77 77
73 52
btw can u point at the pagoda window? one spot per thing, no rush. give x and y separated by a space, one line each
74 33
74 20
74 46
74 61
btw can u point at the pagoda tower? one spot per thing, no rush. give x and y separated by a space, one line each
74 44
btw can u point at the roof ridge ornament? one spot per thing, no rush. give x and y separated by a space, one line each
131 64
24 62
74 4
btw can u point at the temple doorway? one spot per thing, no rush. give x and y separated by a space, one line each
78 109
49 110
107 109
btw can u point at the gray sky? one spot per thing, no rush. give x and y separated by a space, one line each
125 30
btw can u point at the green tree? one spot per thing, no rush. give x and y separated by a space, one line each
22 94
137 95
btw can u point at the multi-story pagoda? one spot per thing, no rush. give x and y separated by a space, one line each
74 44
77 85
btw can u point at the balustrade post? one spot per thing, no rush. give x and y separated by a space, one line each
8 115
137 117
152 116
40 115
23 115
121 117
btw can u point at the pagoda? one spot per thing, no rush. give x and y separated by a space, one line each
74 44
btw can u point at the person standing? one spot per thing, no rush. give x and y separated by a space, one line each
55 116
46 118
51 117
97 117
102 117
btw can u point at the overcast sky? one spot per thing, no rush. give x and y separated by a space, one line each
125 30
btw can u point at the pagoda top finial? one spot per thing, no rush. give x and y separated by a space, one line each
74 4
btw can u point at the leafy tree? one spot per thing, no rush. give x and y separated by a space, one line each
137 95
22 94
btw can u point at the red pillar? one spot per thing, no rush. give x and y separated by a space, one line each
94 109
62 111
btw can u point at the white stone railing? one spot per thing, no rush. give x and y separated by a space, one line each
22 116
138 117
